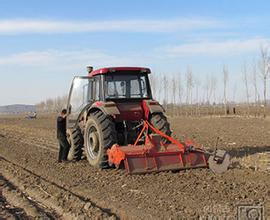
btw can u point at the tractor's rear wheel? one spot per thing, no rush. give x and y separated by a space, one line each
100 135
75 139
160 122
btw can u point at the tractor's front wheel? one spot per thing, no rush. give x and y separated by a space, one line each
99 136
75 139
160 122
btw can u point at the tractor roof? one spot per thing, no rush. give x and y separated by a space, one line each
119 69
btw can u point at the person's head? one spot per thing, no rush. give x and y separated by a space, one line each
64 112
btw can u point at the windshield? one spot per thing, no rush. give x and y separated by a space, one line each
125 86
81 93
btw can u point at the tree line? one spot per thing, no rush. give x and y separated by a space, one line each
52 105
185 94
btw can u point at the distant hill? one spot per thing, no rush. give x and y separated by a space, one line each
17 108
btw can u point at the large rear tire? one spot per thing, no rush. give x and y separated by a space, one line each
100 135
160 122
75 139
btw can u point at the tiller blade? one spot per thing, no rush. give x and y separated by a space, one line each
154 156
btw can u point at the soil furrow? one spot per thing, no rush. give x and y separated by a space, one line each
8 211
113 194
81 207
17 198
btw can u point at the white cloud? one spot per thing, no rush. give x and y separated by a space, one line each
62 59
81 58
19 26
27 58
48 73
216 48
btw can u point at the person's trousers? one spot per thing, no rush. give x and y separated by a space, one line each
64 147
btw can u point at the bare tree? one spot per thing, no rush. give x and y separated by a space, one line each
255 87
189 88
165 91
225 81
179 89
234 92
254 82
245 78
210 91
180 92
214 87
57 104
197 84
41 106
53 104
190 85
153 81
49 105
174 84
264 71
208 86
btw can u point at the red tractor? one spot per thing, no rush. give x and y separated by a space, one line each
113 117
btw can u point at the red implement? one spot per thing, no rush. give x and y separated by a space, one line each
155 156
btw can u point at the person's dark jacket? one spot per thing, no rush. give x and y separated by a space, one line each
61 127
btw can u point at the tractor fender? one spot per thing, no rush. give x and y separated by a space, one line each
151 107
108 108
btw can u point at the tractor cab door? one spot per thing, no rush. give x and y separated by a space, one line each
80 95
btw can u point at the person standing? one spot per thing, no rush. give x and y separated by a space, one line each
64 146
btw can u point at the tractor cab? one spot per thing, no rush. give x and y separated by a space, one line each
123 83
126 87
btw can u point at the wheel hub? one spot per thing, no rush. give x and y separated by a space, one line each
94 143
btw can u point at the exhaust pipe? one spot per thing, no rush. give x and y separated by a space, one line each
89 69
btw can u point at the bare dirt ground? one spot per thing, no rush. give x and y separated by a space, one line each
33 185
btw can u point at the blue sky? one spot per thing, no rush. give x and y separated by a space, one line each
43 44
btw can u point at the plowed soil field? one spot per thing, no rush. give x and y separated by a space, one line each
33 185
